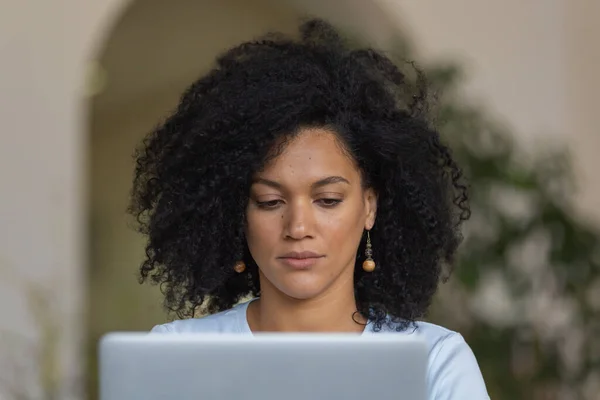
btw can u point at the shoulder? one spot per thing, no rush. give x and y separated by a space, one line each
452 370
224 322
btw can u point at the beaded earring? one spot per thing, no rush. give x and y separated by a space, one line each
369 264
239 267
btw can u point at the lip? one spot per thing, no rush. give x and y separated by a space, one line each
300 260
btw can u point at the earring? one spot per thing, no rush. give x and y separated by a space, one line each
239 267
369 264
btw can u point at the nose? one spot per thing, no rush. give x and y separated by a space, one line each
299 220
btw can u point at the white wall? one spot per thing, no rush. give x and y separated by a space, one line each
582 83
42 47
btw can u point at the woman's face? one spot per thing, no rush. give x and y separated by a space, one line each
306 215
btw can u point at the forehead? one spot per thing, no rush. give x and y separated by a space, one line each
311 155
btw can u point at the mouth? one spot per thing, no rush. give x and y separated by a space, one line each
302 260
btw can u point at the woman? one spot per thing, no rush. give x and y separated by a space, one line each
296 175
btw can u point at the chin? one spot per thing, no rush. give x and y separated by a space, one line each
302 294
301 290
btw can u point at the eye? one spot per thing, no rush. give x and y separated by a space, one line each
329 202
268 205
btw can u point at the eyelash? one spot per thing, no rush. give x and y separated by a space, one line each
271 205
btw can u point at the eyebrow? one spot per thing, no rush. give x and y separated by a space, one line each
330 180
323 182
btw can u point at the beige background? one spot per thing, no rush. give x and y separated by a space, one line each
65 164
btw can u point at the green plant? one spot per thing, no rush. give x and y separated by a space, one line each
526 290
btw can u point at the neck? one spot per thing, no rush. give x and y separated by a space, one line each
334 311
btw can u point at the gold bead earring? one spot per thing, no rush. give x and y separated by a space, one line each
239 267
369 264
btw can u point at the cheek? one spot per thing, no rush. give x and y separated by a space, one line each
343 229
337 229
261 231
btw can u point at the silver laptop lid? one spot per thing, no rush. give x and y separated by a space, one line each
263 367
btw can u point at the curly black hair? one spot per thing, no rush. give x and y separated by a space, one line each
194 171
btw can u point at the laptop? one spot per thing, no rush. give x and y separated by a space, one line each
262 367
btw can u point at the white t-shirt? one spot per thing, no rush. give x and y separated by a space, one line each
452 370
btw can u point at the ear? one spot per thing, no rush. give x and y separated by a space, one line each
371 208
